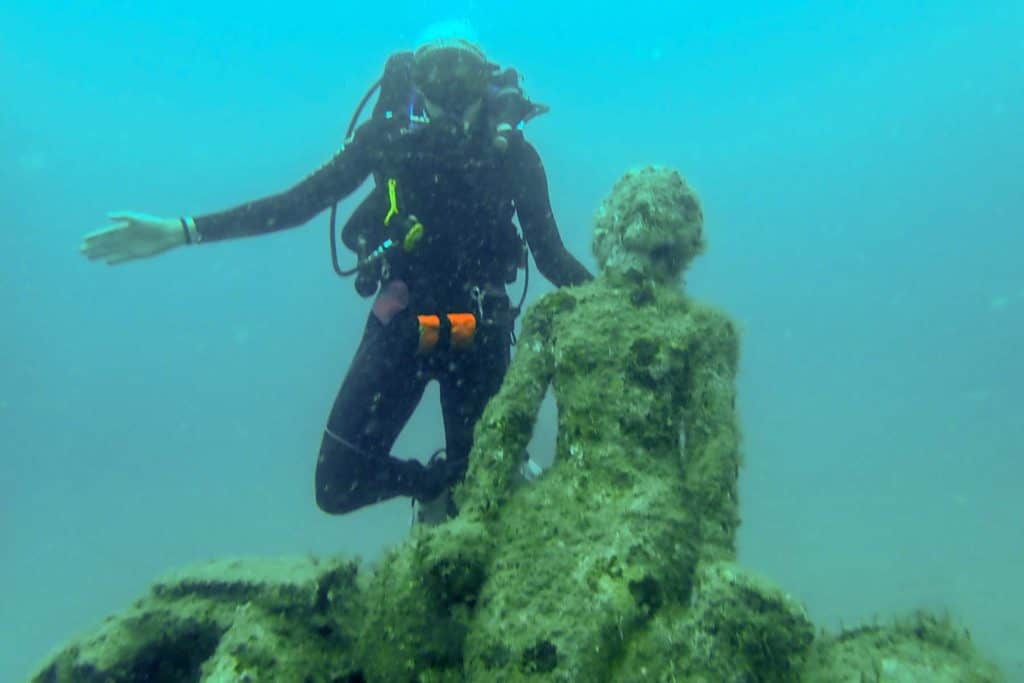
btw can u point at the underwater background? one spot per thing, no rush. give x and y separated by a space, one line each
860 169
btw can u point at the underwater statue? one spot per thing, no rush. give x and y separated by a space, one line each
617 564
556 578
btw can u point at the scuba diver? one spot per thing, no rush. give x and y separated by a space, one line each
435 241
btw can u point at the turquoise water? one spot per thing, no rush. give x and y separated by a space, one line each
861 176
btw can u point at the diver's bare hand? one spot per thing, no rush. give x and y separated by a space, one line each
132 236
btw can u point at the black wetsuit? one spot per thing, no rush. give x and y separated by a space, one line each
465 192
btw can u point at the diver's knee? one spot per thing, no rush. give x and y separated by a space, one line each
335 481
334 502
328 503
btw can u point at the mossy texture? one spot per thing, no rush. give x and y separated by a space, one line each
736 627
230 621
918 647
617 564
616 515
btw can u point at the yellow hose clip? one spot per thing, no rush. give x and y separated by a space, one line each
392 200
413 236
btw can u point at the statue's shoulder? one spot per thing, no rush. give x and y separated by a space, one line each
542 314
561 301
709 316
715 331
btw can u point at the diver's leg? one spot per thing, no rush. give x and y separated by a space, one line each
376 399
473 378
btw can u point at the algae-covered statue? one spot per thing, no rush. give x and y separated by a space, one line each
644 480
616 565
556 579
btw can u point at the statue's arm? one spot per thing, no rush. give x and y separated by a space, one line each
503 432
712 448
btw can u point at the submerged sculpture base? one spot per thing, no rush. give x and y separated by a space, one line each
254 620
273 619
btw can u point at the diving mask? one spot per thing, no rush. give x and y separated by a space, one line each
451 74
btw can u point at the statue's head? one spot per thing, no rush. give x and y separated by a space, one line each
651 224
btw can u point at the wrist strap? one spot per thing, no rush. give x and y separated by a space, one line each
188 226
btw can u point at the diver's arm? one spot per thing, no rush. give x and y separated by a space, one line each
332 182
503 431
130 235
533 206
712 449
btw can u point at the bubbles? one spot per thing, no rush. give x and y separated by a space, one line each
448 28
